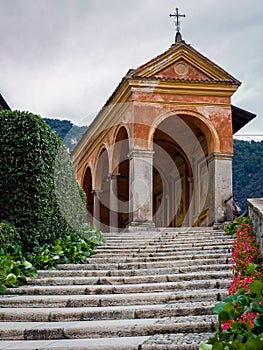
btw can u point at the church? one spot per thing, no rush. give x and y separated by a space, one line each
159 153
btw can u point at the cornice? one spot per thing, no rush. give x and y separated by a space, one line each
183 87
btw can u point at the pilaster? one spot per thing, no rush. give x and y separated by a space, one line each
141 186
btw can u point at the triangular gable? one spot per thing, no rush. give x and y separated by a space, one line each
181 61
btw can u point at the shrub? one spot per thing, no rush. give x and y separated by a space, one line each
246 259
240 319
41 198
231 228
240 315
31 176
8 235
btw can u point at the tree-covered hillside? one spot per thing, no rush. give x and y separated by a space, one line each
62 127
247 162
69 133
247 171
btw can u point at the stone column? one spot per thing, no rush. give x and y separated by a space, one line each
220 186
114 202
96 212
141 188
191 202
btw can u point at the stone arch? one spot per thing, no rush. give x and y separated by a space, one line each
181 148
121 134
192 117
102 155
102 190
87 185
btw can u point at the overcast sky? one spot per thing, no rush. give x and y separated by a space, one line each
63 58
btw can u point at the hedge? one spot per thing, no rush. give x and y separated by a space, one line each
38 191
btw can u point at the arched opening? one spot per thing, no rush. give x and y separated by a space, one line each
87 187
103 189
180 173
121 168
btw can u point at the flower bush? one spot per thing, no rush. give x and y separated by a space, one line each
240 315
231 228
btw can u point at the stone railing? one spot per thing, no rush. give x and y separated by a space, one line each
255 212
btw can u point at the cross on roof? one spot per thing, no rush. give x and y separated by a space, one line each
177 21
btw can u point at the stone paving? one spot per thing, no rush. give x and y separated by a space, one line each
140 291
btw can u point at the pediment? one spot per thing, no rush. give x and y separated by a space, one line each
182 61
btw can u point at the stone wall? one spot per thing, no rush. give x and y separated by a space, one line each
255 211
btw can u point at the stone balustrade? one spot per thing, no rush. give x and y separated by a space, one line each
255 212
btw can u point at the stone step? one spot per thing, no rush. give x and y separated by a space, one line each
175 341
179 262
170 241
62 281
119 288
134 257
119 343
130 312
101 328
102 300
140 272
153 250
140 291
173 242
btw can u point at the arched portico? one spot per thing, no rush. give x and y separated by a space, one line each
160 154
180 148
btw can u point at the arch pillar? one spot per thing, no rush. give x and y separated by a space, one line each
114 202
141 185
96 213
220 187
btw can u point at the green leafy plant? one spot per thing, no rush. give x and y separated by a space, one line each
231 228
91 235
14 268
71 249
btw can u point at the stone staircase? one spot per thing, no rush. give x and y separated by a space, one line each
141 291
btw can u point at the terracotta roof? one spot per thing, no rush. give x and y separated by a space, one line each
175 47
240 117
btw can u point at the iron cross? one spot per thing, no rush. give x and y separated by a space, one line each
177 22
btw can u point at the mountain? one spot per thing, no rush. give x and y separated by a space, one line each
247 161
69 133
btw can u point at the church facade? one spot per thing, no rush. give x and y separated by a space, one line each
159 153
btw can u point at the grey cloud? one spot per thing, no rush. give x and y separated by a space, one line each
63 58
